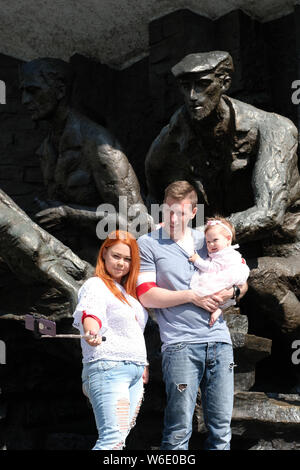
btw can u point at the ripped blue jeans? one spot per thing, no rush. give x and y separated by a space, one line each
185 367
115 390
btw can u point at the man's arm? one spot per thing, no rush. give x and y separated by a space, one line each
152 296
163 298
227 294
243 290
157 297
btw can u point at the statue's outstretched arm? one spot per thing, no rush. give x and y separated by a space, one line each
36 256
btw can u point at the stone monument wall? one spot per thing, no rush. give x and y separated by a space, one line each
134 102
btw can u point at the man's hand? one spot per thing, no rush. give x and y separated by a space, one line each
212 302
208 302
224 295
227 294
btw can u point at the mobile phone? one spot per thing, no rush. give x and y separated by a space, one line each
41 326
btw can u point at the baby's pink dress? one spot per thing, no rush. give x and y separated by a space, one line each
220 270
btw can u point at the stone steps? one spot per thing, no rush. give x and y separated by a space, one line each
271 418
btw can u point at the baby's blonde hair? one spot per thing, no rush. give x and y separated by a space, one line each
223 221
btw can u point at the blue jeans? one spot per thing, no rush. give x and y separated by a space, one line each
115 390
185 367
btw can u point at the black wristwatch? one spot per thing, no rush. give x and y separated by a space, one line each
236 292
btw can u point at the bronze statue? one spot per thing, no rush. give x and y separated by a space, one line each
243 162
35 256
82 163
83 167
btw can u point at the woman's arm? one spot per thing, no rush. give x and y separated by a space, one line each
91 327
146 375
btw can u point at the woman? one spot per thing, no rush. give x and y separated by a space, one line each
113 371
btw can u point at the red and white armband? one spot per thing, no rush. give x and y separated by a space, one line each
85 315
145 282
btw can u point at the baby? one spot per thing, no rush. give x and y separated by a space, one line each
224 266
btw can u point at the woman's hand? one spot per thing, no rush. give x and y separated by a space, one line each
146 375
91 330
92 338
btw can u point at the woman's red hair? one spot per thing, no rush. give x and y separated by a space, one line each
129 281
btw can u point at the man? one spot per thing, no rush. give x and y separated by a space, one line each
82 163
243 163
192 353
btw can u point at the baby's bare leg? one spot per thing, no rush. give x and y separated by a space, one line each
214 316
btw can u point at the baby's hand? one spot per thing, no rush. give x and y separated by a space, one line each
193 257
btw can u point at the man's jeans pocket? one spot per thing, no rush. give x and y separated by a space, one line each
171 351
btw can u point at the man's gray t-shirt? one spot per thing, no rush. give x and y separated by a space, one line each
170 262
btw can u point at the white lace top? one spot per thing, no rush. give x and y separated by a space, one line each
124 324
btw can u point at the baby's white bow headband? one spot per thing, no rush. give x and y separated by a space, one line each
218 222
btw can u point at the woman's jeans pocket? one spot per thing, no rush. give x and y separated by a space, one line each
91 369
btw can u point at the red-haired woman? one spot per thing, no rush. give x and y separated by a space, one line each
113 371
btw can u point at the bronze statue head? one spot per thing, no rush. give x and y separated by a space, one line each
203 78
45 83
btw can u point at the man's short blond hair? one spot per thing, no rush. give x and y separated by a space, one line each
181 190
